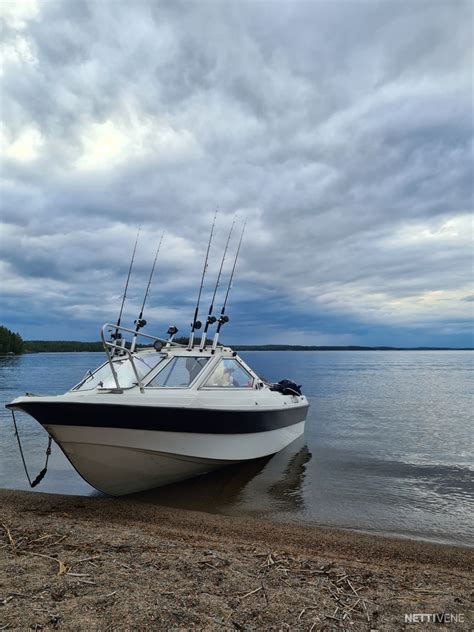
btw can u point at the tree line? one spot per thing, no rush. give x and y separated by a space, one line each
10 342
53 346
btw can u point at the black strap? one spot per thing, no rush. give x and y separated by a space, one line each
42 474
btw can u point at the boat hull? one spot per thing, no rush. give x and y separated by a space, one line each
124 461
125 448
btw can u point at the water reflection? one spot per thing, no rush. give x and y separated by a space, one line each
289 487
273 482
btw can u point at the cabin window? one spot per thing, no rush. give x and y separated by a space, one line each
180 372
229 373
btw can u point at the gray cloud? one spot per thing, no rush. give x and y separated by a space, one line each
343 130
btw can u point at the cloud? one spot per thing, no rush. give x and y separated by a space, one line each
342 131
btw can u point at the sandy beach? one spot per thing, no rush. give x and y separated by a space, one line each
77 563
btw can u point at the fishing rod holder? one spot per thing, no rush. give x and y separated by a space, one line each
172 331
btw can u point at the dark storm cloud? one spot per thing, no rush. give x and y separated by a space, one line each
343 130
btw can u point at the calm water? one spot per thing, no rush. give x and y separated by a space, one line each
388 446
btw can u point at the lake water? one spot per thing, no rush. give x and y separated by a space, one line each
388 446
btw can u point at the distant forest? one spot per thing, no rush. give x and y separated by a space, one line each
49 346
10 343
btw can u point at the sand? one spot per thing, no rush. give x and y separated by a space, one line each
77 563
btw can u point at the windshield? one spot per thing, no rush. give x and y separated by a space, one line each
180 372
103 378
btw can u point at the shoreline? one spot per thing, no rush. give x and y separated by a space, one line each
90 563
142 498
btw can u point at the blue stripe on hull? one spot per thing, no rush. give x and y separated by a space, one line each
208 421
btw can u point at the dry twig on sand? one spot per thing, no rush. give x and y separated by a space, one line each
10 538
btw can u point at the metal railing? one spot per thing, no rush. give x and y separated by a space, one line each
121 349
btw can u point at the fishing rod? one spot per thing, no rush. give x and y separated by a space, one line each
141 322
116 336
196 324
210 318
223 318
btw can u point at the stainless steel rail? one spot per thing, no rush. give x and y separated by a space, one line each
122 349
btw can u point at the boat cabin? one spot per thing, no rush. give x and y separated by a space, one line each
170 367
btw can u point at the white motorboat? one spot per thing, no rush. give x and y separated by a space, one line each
156 415
151 417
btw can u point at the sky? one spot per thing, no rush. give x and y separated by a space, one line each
341 130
